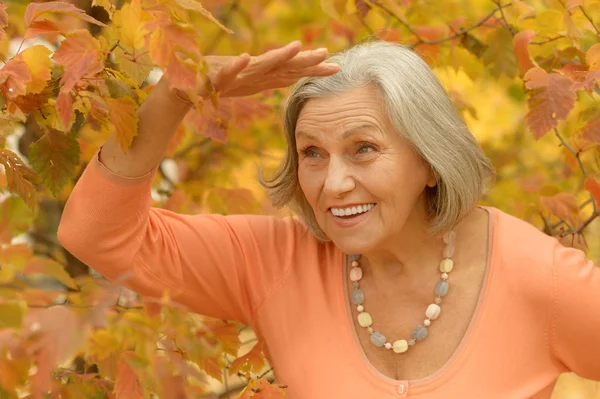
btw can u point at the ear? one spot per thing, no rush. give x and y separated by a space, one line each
431 180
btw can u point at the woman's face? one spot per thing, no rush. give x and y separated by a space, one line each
365 184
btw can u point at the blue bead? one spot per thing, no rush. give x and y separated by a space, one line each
441 288
378 339
353 257
358 297
420 333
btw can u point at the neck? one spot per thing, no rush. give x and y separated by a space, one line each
409 253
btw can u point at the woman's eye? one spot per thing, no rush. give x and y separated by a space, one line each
310 152
365 148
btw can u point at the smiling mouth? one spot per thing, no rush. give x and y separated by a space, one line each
351 212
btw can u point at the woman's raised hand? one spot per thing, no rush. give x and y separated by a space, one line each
234 76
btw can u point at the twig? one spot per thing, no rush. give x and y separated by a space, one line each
589 19
548 40
572 151
503 17
582 226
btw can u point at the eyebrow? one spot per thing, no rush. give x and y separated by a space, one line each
347 133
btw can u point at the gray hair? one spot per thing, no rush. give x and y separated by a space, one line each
422 113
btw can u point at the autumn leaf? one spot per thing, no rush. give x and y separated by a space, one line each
106 4
550 100
55 157
253 361
123 114
593 187
137 67
194 5
263 389
21 179
54 334
11 314
64 105
14 77
591 131
130 23
37 59
3 22
35 10
592 57
520 43
127 383
563 205
500 53
50 268
15 218
227 335
42 27
80 54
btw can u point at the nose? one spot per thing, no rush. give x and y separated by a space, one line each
338 181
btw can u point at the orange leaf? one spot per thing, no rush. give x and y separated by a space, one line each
571 4
55 335
3 21
592 57
226 334
591 131
592 185
127 383
520 43
563 205
123 114
42 27
182 74
64 104
551 99
35 10
262 388
80 54
14 77
21 179
253 361
196 6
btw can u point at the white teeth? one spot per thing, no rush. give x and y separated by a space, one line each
354 210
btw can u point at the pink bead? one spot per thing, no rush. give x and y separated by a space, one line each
427 322
354 263
444 276
448 251
356 274
388 345
449 237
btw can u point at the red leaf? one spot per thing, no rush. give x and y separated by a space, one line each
81 55
34 10
127 383
581 76
551 99
592 185
520 43
591 131
64 104
182 74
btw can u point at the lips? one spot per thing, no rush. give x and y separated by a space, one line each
351 220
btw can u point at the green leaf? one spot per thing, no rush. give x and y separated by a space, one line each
500 55
15 218
55 157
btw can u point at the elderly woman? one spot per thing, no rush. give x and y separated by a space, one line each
392 282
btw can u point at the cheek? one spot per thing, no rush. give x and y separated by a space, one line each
307 185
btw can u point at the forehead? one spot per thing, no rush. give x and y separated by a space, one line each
358 106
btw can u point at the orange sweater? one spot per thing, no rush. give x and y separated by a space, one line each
538 313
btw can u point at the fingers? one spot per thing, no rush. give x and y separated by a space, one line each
306 59
275 58
229 73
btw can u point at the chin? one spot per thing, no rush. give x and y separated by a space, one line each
353 245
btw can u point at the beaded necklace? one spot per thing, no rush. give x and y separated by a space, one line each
432 313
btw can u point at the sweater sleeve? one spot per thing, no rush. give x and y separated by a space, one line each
219 266
576 312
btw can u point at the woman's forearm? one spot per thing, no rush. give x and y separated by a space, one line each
159 116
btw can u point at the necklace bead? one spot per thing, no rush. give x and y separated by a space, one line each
432 312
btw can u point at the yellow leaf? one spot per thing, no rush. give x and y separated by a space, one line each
11 314
39 63
130 21
123 114
106 4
